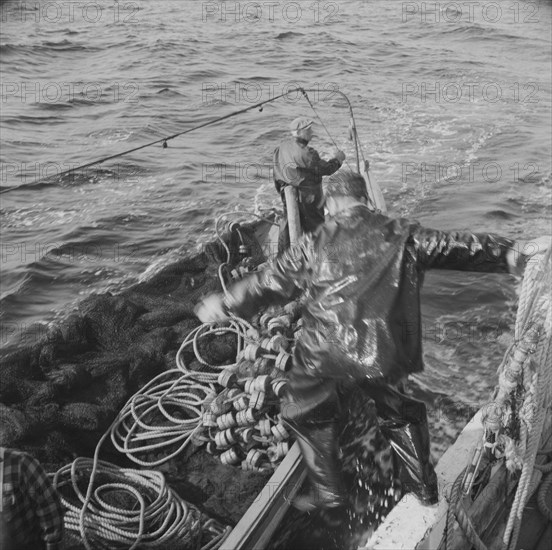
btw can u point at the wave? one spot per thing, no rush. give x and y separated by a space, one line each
501 215
26 186
481 32
169 92
76 178
63 46
288 34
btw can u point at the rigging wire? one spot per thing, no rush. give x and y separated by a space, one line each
164 140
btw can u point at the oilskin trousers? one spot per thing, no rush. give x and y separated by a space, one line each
310 216
313 408
403 422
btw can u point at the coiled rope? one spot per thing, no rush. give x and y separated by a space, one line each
130 508
164 414
164 417
535 312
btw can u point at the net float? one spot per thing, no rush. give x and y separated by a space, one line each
279 386
249 385
227 379
264 427
265 319
209 419
279 432
262 383
241 404
254 457
251 352
231 456
257 399
225 438
265 344
284 361
226 421
246 417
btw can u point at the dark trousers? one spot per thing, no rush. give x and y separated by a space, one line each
314 407
310 216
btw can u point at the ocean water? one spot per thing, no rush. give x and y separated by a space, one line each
452 103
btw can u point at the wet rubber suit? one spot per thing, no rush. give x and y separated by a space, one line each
363 273
297 164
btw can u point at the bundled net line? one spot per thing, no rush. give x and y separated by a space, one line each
514 421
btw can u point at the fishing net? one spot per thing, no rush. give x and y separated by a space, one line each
60 392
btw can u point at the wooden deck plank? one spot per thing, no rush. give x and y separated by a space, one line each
258 524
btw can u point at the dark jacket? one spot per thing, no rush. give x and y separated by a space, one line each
297 164
363 272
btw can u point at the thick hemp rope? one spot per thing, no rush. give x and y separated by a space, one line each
535 287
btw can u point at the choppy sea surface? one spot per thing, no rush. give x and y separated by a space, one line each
452 103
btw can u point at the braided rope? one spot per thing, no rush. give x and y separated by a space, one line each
158 519
170 398
237 326
545 486
456 510
454 497
544 468
468 528
534 304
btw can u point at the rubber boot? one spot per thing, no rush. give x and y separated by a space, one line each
320 453
404 424
411 445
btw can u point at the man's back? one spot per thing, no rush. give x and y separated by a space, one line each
364 296
297 164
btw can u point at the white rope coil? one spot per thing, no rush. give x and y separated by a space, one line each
235 325
127 508
162 417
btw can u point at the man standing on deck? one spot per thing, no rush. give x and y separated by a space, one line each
298 165
363 273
